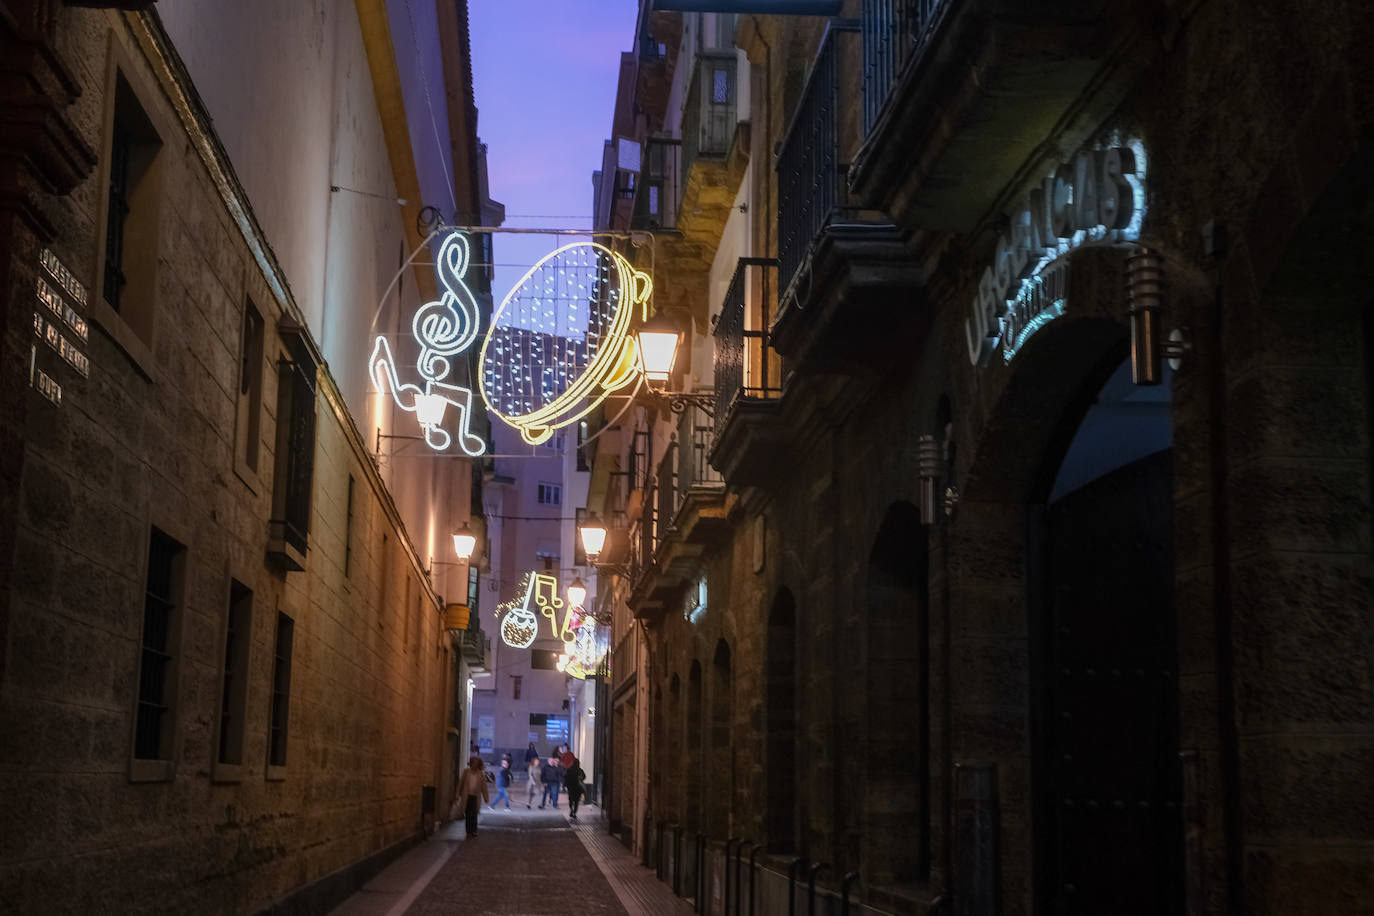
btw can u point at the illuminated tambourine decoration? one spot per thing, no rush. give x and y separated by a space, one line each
443 330
559 343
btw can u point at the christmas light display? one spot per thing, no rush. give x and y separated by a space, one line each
559 343
443 329
520 625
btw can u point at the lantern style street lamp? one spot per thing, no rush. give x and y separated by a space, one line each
577 593
659 339
464 542
593 533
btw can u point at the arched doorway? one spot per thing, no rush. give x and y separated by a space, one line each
722 761
673 775
896 835
780 750
1104 669
695 761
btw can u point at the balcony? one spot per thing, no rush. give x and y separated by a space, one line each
844 269
959 95
660 185
749 377
476 649
715 147
658 52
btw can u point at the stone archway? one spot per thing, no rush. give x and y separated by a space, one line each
721 793
781 725
896 835
1023 417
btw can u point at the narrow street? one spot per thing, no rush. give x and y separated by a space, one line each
520 861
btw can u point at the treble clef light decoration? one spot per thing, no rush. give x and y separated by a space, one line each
443 329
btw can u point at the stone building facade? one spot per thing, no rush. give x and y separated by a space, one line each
1009 599
228 682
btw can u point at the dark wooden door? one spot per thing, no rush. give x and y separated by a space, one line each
1112 839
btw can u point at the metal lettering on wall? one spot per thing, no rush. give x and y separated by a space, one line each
1099 198
59 325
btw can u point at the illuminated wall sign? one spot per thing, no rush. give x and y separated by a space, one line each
1039 301
1098 198
443 329
58 325
559 343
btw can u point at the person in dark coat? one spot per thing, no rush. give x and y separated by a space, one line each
531 753
553 779
574 782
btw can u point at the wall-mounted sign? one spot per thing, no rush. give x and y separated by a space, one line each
1099 198
58 325
443 329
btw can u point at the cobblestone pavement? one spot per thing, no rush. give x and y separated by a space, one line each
520 862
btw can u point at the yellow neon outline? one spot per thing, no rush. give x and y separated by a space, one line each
615 365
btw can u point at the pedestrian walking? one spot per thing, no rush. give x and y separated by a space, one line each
531 753
574 782
536 784
473 784
503 780
553 779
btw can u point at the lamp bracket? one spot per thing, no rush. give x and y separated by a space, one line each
679 401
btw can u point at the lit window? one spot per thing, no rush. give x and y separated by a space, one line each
696 602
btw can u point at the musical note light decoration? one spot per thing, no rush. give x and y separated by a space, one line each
443 329
520 626
559 343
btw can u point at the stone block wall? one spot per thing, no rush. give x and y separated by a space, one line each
148 440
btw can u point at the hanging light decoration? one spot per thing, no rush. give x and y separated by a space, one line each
559 342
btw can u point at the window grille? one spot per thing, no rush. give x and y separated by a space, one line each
152 730
281 692
121 148
238 632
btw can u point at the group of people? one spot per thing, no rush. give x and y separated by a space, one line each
560 771
546 777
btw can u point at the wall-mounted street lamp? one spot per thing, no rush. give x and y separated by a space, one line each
577 593
593 534
464 542
659 341
1145 291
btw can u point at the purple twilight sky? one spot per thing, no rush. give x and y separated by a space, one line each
544 76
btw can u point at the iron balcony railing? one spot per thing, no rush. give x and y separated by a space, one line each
893 31
708 121
811 170
660 185
665 486
695 436
745 366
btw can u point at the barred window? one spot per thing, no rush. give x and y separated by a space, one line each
281 692
155 718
